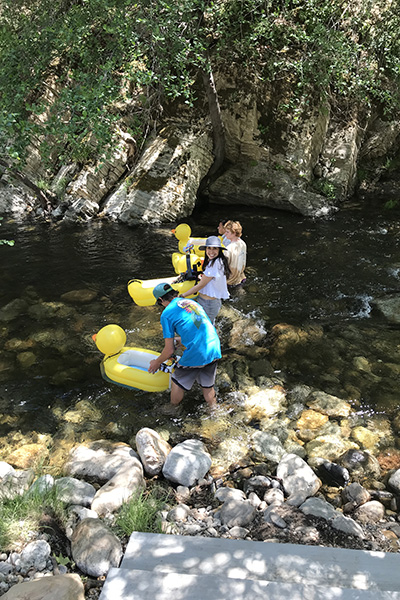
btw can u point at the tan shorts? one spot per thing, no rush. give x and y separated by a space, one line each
185 377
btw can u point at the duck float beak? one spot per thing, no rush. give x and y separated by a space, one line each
94 336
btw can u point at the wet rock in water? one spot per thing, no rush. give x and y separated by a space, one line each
329 447
13 309
98 461
84 411
152 449
246 332
328 404
79 296
95 549
187 462
365 438
26 359
362 466
389 307
389 459
267 446
333 474
309 424
261 403
128 481
28 455
62 587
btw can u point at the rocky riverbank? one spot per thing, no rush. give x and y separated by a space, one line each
277 461
269 495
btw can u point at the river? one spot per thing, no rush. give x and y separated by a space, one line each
324 273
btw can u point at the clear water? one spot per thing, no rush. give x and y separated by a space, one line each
301 272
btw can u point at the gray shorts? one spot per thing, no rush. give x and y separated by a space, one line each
186 376
211 307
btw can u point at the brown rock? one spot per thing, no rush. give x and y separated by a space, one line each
27 456
62 587
389 459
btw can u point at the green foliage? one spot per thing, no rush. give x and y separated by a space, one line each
391 204
325 187
78 67
22 515
141 513
6 242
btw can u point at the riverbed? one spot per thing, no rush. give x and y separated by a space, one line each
313 275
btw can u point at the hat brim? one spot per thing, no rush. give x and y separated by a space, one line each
211 246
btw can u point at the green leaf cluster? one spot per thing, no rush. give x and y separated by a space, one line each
70 70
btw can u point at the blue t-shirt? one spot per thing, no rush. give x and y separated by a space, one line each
188 319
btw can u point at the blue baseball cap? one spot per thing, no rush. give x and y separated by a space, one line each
161 289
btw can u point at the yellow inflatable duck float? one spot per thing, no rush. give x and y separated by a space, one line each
126 365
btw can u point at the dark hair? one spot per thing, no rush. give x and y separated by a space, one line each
223 221
225 262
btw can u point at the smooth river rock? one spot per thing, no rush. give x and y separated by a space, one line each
60 587
95 548
187 463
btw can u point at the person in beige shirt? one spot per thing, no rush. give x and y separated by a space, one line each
236 253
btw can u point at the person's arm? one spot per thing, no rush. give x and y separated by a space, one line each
196 288
165 354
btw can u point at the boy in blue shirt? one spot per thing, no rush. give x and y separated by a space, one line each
198 336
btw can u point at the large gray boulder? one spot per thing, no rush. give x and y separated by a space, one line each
187 463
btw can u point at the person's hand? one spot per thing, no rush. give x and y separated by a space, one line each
154 366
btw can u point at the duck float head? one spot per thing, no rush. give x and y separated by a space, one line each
110 339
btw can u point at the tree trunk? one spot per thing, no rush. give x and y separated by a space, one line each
217 126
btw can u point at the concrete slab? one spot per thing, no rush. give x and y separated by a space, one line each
242 559
122 584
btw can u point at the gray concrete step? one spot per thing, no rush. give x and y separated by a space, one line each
263 561
124 584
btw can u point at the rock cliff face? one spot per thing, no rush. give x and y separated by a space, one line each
308 161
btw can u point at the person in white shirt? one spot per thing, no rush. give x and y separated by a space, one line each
212 287
236 253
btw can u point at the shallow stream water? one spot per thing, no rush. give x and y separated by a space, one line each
303 272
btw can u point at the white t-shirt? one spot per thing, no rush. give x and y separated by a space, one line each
216 288
236 255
